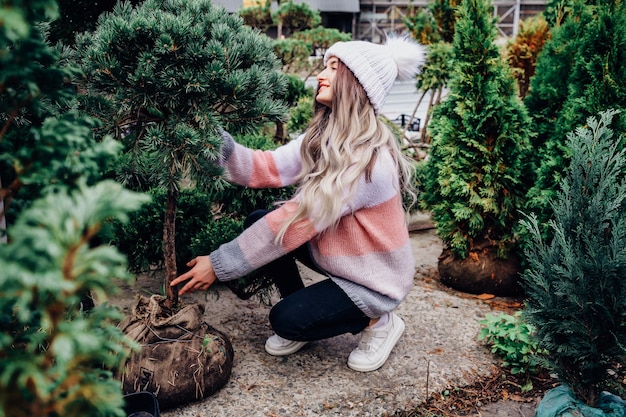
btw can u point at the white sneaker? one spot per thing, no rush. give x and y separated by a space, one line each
277 346
376 345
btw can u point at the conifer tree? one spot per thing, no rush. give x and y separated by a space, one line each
580 73
576 282
473 181
171 74
293 17
35 108
55 358
522 51
258 16
434 23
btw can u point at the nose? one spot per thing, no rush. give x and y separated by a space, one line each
321 76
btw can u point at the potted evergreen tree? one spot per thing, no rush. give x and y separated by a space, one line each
576 282
473 181
165 77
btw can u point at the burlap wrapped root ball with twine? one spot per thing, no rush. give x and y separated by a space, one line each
182 359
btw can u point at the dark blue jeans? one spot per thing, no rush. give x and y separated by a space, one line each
319 311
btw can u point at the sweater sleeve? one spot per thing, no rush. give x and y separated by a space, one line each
261 169
257 245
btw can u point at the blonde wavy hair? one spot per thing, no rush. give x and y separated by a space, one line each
341 143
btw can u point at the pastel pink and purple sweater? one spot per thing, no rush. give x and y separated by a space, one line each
368 255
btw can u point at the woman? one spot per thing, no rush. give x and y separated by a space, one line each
346 219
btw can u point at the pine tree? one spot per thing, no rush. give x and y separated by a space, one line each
473 181
171 73
580 73
576 283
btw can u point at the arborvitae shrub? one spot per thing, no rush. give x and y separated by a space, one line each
580 73
473 180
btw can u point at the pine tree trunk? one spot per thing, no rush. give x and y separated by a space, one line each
169 245
280 135
279 31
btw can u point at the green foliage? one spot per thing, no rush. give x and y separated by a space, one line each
576 283
513 341
50 153
215 233
172 73
295 90
43 143
55 359
17 18
434 24
445 14
321 38
522 51
557 11
579 74
301 114
293 53
141 239
421 24
436 71
181 63
294 17
259 17
473 182
318 40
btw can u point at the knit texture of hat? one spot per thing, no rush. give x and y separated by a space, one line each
376 67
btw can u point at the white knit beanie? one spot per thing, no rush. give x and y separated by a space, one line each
378 66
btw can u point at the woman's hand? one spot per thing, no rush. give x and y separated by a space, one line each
201 276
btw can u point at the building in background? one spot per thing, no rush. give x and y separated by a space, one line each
371 19
378 17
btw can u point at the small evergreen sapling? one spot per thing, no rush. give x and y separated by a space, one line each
576 283
171 72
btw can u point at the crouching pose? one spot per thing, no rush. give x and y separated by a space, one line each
346 219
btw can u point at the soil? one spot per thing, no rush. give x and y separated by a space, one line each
495 395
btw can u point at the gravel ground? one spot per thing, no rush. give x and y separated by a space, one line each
438 350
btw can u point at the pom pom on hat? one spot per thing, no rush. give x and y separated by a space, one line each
376 67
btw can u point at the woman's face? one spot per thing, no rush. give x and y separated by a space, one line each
325 81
